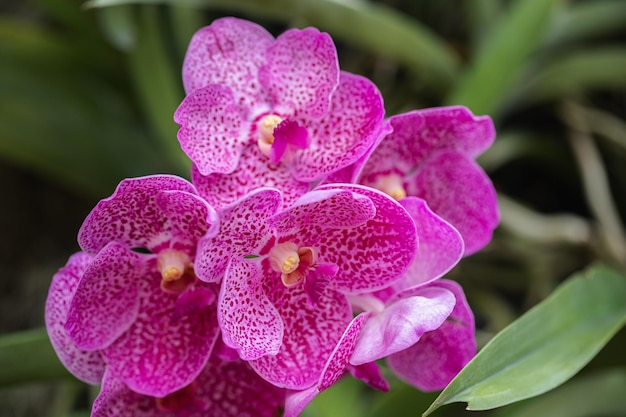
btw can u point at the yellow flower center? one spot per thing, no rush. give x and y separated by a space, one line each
266 127
391 185
176 270
292 262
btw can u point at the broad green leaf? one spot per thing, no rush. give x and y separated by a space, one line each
28 357
372 26
544 347
587 20
498 65
118 25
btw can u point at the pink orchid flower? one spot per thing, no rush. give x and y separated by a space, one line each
270 112
147 314
430 154
285 274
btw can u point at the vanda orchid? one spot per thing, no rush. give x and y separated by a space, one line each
274 274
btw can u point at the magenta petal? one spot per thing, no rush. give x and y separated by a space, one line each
311 334
106 301
288 134
254 171
342 137
440 245
372 255
243 230
439 355
458 190
157 356
86 366
317 280
131 215
193 299
370 374
402 323
115 399
302 72
250 323
296 401
212 131
229 52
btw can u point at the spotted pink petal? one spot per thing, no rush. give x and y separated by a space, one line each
289 136
228 52
458 190
302 72
370 374
212 130
317 280
193 299
334 368
440 245
156 355
84 365
243 231
115 399
311 333
346 133
371 256
106 302
131 215
327 209
439 355
402 323
249 321
254 171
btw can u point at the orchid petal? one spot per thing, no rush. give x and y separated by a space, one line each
131 216
302 72
228 52
370 374
254 170
288 134
106 302
458 190
439 355
250 323
193 299
346 133
84 365
157 356
212 131
243 230
317 280
402 323
115 399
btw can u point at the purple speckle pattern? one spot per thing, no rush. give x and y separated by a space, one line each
131 216
249 321
106 301
156 355
243 230
212 132
439 355
347 132
254 170
88 366
301 73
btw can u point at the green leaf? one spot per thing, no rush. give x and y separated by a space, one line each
498 65
544 347
27 357
372 26
588 20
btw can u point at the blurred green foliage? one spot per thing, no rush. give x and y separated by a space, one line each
88 90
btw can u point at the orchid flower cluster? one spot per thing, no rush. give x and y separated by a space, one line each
310 243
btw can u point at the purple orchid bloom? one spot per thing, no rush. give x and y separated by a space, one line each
285 274
265 112
147 314
222 389
430 154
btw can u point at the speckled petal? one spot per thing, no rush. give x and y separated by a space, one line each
228 52
311 333
115 399
106 301
250 323
156 355
86 366
439 355
354 124
440 245
131 216
212 130
370 374
330 208
402 323
458 190
243 230
335 367
302 72
254 171
372 255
